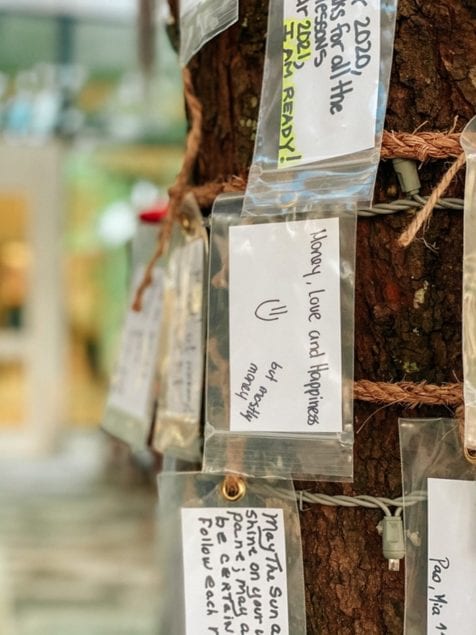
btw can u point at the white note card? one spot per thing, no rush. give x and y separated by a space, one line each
285 332
235 573
184 377
133 381
331 64
451 599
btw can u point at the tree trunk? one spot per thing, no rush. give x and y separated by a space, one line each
408 303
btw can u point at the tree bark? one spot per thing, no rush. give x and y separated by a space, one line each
408 303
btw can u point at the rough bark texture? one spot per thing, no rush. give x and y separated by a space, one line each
408 303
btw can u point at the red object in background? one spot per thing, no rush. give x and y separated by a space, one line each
154 214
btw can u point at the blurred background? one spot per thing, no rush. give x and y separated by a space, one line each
91 132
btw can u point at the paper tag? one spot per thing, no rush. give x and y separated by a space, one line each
285 341
451 556
235 571
132 384
331 54
184 377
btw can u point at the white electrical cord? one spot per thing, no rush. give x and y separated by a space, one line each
391 526
367 501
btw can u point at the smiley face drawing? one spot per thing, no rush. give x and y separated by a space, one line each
267 311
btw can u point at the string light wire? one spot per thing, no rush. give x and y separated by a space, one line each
391 526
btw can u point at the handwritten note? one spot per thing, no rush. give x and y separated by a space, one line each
285 339
451 556
133 381
184 376
331 51
235 571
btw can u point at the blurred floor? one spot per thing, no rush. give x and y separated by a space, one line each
77 554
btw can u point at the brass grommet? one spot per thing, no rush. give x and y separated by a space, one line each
470 455
233 488
186 223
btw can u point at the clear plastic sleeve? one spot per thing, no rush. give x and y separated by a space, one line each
468 141
202 20
130 406
430 449
324 94
181 369
204 492
302 444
